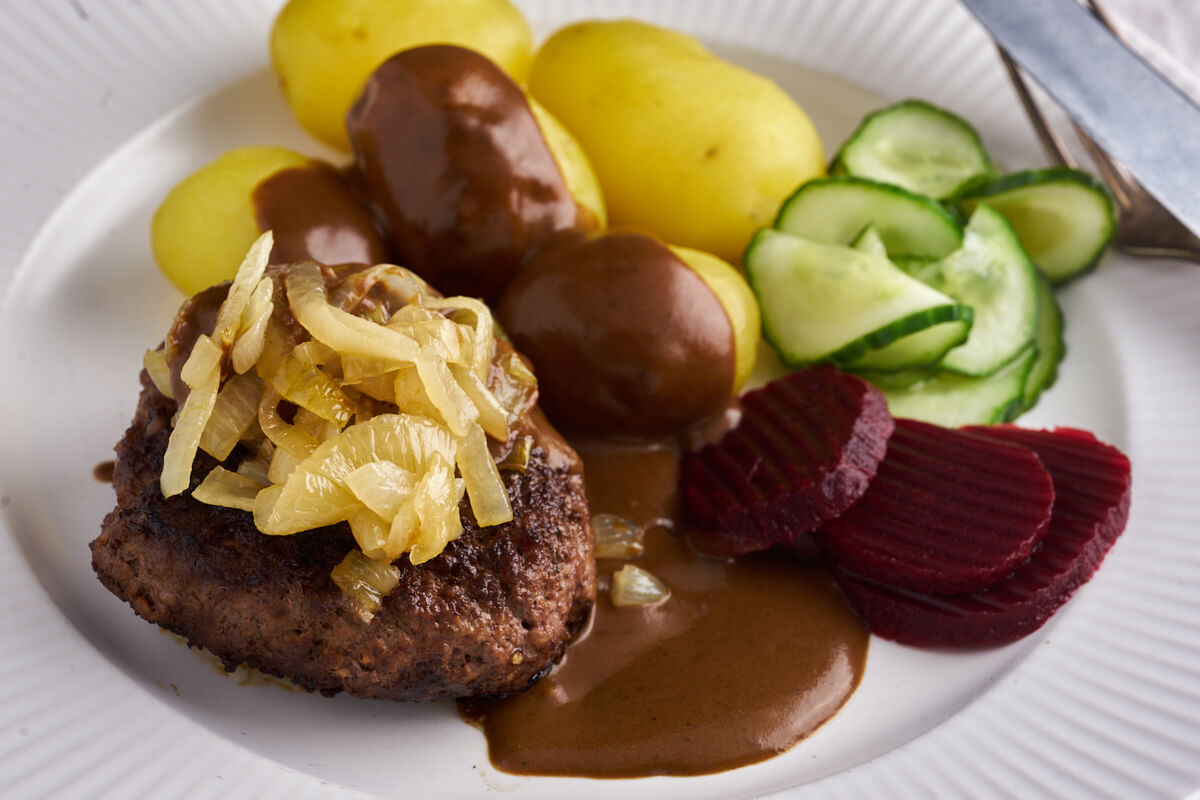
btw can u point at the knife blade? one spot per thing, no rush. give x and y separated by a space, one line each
1132 112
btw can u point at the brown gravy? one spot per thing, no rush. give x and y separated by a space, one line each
625 337
315 215
744 659
103 471
456 168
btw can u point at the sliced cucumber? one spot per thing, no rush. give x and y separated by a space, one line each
954 400
869 241
827 302
897 379
1051 348
836 210
992 274
916 145
1065 218
920 339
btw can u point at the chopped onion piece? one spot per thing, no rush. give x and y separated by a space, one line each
517 459
617 537
203 365
452 403
155 362
492 415
258 468
235 410
405 525
371 533
365 582
253 333
229 315
341 330
516 389
283 462
381 389
436 501
229 489
321 429
483 338
287 437
431 329
485 488
400 285
634 586
409 394
356 369
202 373
316 494
301 380
382 486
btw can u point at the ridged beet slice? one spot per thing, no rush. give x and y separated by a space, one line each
1092 490
948 512
804 451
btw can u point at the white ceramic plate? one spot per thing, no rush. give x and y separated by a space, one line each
1104 701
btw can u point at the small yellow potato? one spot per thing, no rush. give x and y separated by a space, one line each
693 149
207 222
324 50
577 171
465 177
730 287
628 335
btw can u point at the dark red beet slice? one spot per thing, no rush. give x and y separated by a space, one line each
804 451
948 511
1092 490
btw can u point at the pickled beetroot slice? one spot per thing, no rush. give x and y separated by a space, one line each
1092 490
948 511
804 451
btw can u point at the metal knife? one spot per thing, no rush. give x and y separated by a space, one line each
1131 111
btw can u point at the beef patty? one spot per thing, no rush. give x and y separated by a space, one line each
486 617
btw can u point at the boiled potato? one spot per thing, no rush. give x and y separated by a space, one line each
577 171
324 50
206 223
461 171
740 305
628 335
692 148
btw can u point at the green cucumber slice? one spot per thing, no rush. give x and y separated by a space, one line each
953 400
836 210
827 302
992 274
1051 348
869 241
915 145
919 346
897 379
1065 218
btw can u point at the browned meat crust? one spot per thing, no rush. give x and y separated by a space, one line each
487 616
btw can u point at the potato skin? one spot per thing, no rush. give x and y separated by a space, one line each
324 50
693 149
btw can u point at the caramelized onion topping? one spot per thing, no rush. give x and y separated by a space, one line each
377 414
